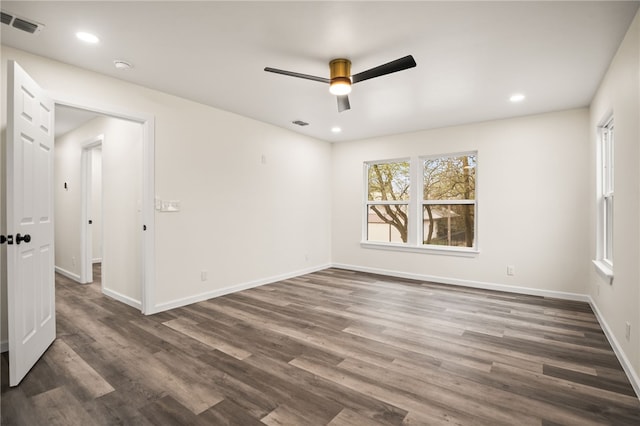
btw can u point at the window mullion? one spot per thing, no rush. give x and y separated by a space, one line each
414 196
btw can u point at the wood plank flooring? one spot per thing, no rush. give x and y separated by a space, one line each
330 348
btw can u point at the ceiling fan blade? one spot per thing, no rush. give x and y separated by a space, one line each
299 75
343 103
388 68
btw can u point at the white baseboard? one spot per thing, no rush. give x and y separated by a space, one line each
122 298
4 346
468 283
233 289
624 361
70 275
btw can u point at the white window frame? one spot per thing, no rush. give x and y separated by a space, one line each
605 199
414 210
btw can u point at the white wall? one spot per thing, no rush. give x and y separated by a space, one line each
533 198
67 202
619 93
121 182
242 220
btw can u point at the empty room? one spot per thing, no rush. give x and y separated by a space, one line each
320 213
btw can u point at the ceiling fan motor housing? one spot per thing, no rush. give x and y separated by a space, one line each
340 68
340 73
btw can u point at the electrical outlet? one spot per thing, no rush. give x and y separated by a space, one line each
203 275
511 270
627 330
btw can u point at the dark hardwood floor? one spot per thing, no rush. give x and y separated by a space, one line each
330 348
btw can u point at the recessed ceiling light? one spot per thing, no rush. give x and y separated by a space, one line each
122 65
336 129
517 97
87 37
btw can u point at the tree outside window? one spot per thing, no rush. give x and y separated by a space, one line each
388 186
449 201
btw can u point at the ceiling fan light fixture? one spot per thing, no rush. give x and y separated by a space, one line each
340 72
340 86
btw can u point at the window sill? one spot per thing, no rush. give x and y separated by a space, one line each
445 251
604 270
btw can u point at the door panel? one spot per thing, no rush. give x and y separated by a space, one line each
30 264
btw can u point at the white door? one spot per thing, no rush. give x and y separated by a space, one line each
30 258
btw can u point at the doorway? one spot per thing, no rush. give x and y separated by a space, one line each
124 155
91 201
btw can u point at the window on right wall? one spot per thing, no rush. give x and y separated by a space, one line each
605 191
449 200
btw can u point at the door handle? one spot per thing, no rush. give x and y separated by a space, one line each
26 238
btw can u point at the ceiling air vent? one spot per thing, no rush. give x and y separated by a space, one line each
21 23
300 123
6 18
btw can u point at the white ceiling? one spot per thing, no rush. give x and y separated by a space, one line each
471 56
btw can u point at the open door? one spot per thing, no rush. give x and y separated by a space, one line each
30 253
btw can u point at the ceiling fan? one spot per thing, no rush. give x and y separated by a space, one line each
341 78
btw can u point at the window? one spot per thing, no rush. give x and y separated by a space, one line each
448 204
388 185
604 260
422 203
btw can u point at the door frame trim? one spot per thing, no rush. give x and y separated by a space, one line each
148 183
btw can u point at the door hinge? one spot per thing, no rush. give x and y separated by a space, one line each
6 239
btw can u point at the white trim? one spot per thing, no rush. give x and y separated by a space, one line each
467 283
617 349
96 260
233 289
70 275
148 183
148 215
429 249
4 346
122 298
604 270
